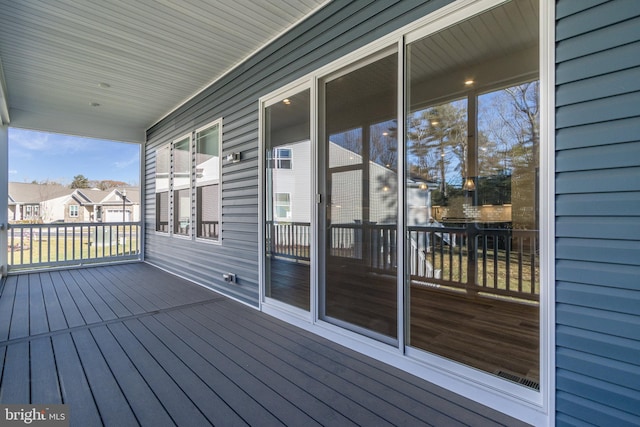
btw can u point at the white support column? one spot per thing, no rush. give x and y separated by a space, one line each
4 196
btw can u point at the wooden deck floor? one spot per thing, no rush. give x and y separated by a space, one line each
132 345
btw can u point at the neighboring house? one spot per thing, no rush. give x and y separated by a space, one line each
53 202
36 202
92 205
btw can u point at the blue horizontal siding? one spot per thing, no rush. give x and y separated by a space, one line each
599 181
612 60
599 204
590 413
618 252
602 86
605 228
596 270
597 212
565 8
598 320
625 375
601 15
599 110
597 134
598 41
623 301
618 156
598 344
612 395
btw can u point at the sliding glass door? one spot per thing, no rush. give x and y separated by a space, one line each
359 224
287 157
426 232
472 156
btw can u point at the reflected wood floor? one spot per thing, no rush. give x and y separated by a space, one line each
129 344
495 335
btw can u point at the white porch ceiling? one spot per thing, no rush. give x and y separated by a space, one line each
137 59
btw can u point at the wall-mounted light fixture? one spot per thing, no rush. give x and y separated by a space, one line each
233 157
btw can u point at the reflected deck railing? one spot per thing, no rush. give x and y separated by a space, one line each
489 260
33 246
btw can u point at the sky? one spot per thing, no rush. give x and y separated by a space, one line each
41 156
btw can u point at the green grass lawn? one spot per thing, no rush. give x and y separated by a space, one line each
59 249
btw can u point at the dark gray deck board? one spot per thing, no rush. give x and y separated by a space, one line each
230 402
15 375
147 275
38 322
45 388
143 401
149 301
196 390
99 305
55 315
131 344
279 392
168 392
88 312
6 306
161 297
251 374
20 318
396 387
68 305
114 304
238 372
338 379
74 386
132 306
113 406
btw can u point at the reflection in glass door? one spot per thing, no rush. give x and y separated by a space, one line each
360 219
287 154
472 156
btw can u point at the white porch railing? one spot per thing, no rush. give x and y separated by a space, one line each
52 245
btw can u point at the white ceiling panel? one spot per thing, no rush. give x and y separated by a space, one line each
137 59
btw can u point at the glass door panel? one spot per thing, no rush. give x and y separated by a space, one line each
472 189
360 178
287 153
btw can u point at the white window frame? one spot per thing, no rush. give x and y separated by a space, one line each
268 305
168 191
276 204
277 159
71 211
173 188
217 122
537 408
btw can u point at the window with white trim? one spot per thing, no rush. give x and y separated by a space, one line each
207 169
163 166
282 207
73 211
181 185
280 158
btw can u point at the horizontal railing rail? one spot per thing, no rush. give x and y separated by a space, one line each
498 261
289 240
64 244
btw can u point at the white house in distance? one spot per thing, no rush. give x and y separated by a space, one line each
292 200
49 203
